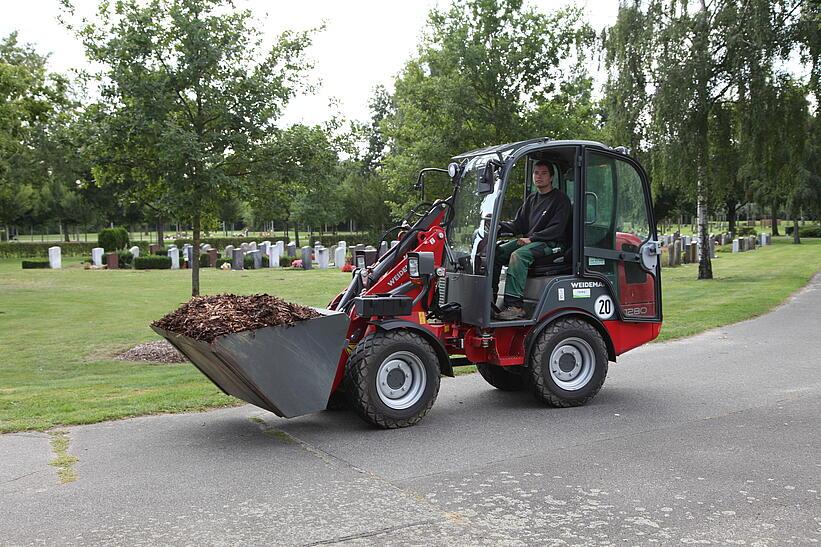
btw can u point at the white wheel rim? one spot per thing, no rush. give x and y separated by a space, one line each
572 364
400 380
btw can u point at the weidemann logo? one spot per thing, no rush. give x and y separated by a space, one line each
398 276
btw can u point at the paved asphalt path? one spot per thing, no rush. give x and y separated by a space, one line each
715 439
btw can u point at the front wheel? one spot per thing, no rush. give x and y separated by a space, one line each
392 378
568 363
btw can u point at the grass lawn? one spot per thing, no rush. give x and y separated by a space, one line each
59 329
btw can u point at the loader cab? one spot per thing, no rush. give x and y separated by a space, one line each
610 268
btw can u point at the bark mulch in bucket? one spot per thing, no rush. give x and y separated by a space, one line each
207 317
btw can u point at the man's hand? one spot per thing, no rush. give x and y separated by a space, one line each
523 241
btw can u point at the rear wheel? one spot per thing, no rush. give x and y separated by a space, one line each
504 378
392 378
568 363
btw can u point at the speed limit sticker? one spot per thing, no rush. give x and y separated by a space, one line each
604 307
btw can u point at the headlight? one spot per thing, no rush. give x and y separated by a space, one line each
453 169
413 266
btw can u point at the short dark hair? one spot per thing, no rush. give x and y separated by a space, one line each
544 163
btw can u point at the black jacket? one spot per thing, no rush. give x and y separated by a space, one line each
544 217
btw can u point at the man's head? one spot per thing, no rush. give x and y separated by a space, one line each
543 176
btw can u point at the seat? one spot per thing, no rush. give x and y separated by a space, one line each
553 264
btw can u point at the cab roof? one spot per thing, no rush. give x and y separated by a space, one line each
512 147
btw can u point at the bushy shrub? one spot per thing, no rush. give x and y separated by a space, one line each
804 231
809 231
743 231
113 239
204 262
35 264
221 261
152 262
161 252
285 261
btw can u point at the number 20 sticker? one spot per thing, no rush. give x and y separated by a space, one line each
604 307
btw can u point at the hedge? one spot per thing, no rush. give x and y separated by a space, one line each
248 262
152 262
35 264
15 249
805 231
326 240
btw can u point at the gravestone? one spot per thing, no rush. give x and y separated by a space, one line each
333 252
322 258
237 259
112 261
229 252
55 258
213 256
713 248
394 243
339 257
677 252
273 254
153 248
383 248
306 258
257 258
205 247
97 256
342 243
358 247
737 245
244 246
135 251
263 248
281 245
188 251
370 255
693 252
291 249
174 255
252 246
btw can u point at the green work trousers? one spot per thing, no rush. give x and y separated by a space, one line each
517 259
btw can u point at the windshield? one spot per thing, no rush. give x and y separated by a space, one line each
472 211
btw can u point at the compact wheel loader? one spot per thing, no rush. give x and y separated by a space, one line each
426 305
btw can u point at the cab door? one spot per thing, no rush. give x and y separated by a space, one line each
620 245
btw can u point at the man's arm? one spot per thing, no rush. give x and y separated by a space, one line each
519 224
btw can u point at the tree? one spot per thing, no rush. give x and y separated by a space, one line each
190 78
29 96
483 69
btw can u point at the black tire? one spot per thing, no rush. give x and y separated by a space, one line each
576 337
375 354
504 378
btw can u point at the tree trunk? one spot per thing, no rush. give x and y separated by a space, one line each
296 235
8 234
732 215
66 235
775 220
195 266
796 237
160 233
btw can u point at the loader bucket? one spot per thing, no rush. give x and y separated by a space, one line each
287 369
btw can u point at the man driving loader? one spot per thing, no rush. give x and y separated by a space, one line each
543 220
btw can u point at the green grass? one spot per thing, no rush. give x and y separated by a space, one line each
60 329
744 285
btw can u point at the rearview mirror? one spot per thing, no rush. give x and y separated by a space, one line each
484 179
